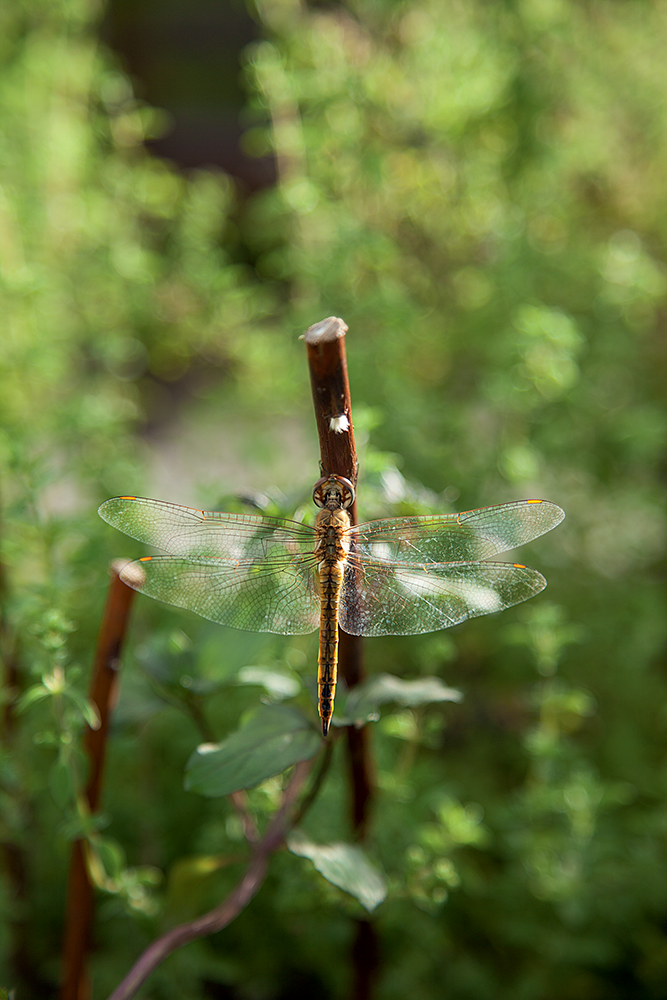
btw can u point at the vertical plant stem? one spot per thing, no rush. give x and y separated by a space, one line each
103 690
365 960
327 362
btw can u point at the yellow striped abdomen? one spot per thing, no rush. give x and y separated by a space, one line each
332 548
331 581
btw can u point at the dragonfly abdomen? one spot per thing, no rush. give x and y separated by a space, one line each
331 581
332 548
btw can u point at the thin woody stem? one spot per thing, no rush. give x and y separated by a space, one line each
237 900
327 362
103 688
325 344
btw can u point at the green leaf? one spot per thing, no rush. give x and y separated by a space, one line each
35 693
345 866
364 701
112 856
87 708
276 684
274 739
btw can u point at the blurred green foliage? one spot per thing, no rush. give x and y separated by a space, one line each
478 190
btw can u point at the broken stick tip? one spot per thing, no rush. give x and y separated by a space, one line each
331 328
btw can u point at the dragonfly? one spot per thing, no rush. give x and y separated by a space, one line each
394 576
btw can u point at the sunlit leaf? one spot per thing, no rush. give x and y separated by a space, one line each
344 865
86 707
276 684
364 701
35 693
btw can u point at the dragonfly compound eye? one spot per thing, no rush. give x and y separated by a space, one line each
333 491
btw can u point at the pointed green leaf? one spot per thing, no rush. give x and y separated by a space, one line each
345 866
86 707
364 701
35 693
274 739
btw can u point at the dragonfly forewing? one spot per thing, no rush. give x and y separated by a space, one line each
200 534
476 534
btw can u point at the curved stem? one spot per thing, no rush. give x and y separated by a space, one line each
237 900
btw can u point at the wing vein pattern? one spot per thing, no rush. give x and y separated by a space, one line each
248 571
403 576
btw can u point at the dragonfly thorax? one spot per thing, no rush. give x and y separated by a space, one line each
333 543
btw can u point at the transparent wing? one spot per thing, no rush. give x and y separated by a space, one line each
279 595
202 534
404 575
476 534
248 571
404 599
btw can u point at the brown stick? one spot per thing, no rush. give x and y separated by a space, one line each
365 960
325 344
103 688
222 915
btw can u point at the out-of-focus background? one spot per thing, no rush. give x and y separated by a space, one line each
478 190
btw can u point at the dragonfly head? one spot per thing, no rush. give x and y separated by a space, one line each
333 492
